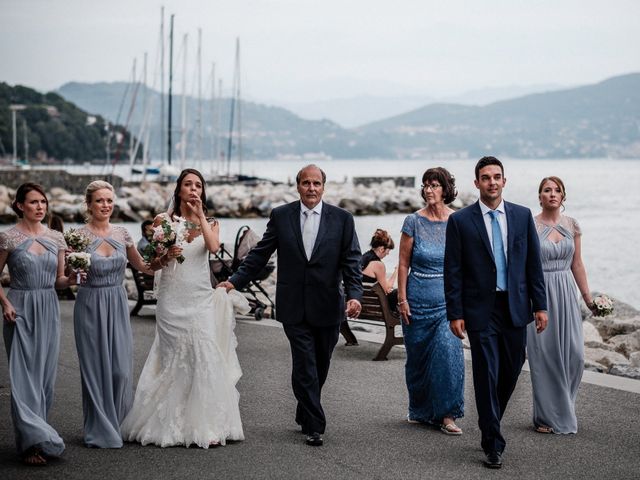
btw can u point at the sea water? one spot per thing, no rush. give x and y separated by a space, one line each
602 194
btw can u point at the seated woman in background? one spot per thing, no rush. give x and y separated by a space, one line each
373 268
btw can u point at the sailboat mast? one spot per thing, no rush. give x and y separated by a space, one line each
219 158
239 107
231 119
145 102
183 140
162 85
132 107
169 126
234 100
199 118
214 127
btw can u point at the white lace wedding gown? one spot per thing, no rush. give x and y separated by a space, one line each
187 389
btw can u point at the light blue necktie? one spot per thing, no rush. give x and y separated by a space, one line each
498 252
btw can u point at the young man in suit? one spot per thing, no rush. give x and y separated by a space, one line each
318 253
494 287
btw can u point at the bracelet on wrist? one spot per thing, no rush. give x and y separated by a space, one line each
403 302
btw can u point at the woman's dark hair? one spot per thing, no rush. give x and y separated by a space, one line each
381 238
444 178
176 193
56 223
21 196
144 225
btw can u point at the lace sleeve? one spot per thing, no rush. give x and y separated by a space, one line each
122 235
4 242
58 238
409 225
10 239
575 227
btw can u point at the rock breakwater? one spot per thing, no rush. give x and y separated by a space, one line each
145 200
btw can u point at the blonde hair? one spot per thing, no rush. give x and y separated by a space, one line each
92 188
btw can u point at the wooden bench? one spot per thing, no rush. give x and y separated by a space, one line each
144 283
375 309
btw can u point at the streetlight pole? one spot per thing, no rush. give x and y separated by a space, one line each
14 108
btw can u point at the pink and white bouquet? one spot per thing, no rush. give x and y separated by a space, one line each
80 262
167 233
602 306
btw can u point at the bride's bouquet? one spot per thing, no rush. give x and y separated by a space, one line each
167 233
602 306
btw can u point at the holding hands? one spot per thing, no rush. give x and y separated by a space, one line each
227 285
353 308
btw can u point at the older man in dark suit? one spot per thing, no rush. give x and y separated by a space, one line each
494 287
318 262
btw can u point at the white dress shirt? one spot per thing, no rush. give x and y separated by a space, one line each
502 220
314 218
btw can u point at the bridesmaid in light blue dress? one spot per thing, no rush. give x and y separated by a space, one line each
556 356
435 364
101 322
31 313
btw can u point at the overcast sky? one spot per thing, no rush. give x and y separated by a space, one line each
303 50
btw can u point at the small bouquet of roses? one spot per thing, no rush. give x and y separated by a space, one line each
80 262
166 234
76 240
602 305
78 259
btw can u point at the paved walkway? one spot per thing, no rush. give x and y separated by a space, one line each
367 437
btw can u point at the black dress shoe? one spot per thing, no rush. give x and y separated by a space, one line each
493 460
314 439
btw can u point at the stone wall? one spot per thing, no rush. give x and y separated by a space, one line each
49 179
398 181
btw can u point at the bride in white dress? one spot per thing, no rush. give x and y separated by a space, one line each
187 392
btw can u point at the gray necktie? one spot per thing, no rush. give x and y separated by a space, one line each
308 234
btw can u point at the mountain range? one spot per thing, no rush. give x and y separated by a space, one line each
599 120
357 110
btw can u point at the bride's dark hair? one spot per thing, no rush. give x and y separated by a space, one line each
176 192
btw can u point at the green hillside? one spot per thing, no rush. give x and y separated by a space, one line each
56 130
591 121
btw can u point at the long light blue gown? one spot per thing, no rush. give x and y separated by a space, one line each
556 356
435 363
33 342
104 342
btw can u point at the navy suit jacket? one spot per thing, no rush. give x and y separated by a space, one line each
310 290
470 270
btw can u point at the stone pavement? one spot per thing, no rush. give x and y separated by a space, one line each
367 436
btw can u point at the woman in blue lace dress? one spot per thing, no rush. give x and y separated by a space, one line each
35 255
435 363
101 322
556 356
